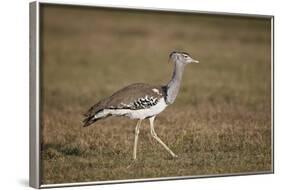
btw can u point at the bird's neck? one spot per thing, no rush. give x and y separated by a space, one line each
174 84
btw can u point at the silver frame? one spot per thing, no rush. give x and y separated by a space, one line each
34 103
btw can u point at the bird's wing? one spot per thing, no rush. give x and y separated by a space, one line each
135 96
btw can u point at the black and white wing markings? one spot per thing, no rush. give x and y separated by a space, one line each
143 103
140 103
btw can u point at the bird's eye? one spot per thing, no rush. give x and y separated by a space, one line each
185 56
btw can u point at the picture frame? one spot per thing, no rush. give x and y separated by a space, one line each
37 90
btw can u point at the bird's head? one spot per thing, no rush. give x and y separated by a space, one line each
181 58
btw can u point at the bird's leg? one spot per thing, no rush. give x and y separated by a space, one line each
154 135
137 130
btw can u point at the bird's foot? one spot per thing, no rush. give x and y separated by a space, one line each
132 163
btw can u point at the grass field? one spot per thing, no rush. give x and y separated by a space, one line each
219 124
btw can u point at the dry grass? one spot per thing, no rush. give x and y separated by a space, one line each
220 122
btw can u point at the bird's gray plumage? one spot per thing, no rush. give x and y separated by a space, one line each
173 86
133 97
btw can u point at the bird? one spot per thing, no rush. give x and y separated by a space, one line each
142 101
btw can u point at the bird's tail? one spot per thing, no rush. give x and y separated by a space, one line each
90 119
95 113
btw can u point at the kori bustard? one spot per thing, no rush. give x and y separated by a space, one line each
142 101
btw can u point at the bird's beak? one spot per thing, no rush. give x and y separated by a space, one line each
194 61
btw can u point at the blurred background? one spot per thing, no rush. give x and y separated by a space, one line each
219 124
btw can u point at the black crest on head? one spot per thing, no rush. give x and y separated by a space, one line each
181 52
